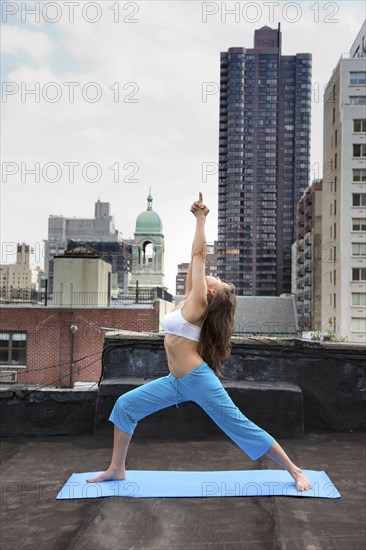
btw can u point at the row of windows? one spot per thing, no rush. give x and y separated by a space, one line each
261 71
358 324
358 249
358 224
357 100
357 78
358 298
262 81
358 273
359 150
13 348
358 199
359 175
359 125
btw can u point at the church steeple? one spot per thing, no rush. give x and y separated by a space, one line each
149 200
149 222
148 251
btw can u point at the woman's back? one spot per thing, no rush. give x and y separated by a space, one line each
181 339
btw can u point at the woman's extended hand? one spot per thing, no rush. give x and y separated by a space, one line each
198 209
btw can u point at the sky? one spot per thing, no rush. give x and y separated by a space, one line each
103 100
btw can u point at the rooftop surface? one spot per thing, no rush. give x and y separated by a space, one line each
35 469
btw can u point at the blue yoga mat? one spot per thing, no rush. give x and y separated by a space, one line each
234 483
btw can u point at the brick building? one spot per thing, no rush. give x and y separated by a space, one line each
39 344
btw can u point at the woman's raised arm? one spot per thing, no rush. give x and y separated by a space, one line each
196 287
197 207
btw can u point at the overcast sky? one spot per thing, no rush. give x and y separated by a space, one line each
138 112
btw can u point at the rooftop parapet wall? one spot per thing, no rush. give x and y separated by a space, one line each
332 376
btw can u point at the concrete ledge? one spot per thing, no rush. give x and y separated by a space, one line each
27 412
276 407
331 375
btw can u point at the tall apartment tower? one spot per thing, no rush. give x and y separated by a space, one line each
344 196
264 161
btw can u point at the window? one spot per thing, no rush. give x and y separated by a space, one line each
357 78
358 224
358 324
357 100
359 174
359 298
358 249
359 125
358 199
359 150
359 274
13 348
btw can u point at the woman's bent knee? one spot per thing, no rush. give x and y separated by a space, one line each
124 414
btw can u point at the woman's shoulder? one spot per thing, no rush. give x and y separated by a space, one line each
194 310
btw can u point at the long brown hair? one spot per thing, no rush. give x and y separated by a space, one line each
214 344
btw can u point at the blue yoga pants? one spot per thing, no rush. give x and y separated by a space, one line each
202 386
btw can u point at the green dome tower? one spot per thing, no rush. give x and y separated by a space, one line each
148 250
148 222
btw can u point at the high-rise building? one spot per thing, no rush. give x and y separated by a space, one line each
308 258
265 102
344 197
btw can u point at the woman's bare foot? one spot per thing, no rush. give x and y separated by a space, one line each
108 475
302 482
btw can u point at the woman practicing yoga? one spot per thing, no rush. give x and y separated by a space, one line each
197 342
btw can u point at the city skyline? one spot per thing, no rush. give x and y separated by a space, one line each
165 138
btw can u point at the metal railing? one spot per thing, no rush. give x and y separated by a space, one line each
88 299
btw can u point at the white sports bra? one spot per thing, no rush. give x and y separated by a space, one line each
175 323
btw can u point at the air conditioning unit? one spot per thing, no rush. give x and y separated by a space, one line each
7 376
